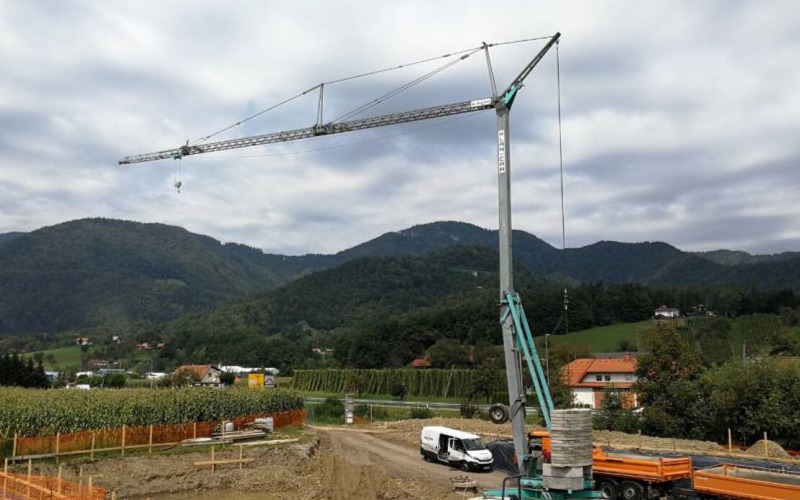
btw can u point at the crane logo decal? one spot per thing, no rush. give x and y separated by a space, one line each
501 151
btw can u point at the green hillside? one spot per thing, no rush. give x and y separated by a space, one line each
123 275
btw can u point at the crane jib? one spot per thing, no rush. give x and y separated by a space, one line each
327 129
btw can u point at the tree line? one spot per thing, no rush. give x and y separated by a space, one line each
686 394
19 372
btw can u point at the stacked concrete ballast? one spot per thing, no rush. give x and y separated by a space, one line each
571 459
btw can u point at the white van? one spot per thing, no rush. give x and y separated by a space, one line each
458 449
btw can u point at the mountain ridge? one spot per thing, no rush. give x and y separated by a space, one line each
109 272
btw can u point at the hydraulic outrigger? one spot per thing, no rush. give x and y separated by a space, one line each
517 337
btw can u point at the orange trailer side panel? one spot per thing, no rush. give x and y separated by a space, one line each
652 469
747 483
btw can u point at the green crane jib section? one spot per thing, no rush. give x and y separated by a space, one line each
513 306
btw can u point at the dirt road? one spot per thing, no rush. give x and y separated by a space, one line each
399 462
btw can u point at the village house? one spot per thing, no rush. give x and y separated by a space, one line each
423 362
83 341
665 312
589 379
206 374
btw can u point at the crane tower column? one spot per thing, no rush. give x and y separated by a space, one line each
515 388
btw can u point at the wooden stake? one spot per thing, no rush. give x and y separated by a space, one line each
30 471
5 477
151 440
92 452
640 440
766 445
113 495
123 440
730 441
58 483
58 444
240 456
14 451
212 459
90 485
194 430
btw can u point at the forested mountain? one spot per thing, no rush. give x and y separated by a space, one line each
360 292
107 272
6 237
734 257
97 271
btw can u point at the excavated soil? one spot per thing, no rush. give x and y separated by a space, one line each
339 464
378 461
774 450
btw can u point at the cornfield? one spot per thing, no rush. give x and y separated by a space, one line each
436 383
32 412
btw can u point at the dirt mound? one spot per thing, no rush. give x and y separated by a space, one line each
621 440
772 449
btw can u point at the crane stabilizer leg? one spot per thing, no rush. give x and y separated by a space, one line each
525 340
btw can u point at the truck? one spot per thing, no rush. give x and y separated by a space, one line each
621 475
635 477
739 482
630 476
456 448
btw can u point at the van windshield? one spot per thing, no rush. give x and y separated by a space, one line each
473 444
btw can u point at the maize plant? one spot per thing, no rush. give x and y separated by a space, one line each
32 412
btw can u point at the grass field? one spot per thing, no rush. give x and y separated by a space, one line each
602 338
607 338
64 356
70 356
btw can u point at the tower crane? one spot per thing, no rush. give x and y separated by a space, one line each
517 337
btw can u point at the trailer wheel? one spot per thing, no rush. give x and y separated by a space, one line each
498 413
629 490
465 466
608 489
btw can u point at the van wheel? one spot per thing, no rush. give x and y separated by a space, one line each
608 489
498 413
464 466
629 490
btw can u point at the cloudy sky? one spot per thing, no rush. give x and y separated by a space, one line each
681 118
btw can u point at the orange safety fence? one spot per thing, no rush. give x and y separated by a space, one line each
157 435
24 487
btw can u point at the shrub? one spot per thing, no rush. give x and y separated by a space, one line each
468 408
421 412
398 389
331 408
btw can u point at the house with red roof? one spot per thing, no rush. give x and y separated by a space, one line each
205 374
590 379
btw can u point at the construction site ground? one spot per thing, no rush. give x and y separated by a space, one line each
373 461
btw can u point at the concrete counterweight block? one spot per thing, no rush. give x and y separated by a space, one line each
571 459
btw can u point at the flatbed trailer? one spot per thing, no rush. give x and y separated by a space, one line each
637 477
746 483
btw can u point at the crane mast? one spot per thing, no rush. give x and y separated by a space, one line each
517 338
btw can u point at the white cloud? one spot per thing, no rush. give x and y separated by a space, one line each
680 119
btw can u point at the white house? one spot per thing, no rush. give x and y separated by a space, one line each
590 378
664 312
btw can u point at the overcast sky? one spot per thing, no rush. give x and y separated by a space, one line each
681 119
